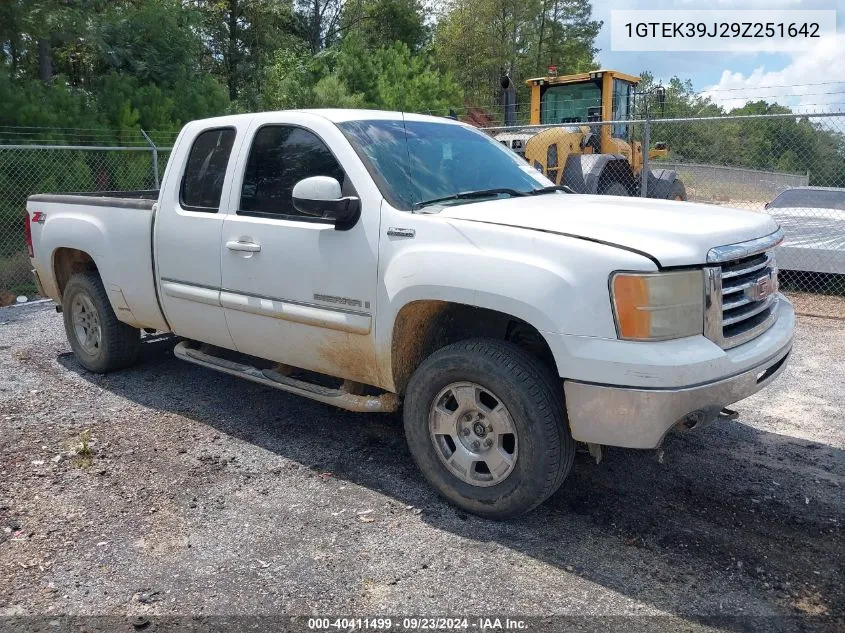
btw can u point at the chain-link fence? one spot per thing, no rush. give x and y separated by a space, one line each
31 168
791 167
715 183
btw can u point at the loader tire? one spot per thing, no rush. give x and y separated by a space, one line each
614 188
677 191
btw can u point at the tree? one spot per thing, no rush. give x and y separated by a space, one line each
479 40
241 37
784 143
112 65
566 36
322 18
393 78
390 78
381 23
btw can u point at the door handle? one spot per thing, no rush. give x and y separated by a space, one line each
246 247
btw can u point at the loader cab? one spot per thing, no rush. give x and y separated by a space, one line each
584 99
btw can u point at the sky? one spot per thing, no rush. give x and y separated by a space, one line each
812 81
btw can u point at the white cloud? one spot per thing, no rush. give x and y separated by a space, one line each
812 81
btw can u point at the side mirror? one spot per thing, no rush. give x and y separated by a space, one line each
321 197
767 205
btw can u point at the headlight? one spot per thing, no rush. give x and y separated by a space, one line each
658 306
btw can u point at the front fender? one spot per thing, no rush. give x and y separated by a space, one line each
557 284
476 279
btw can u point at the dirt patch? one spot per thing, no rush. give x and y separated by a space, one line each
351 357
412 336
810 304
6 298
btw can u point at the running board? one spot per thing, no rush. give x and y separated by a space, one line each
386 402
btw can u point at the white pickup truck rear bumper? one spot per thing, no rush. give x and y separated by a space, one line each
639 417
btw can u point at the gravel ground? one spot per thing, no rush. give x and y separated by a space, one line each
205 494
828 306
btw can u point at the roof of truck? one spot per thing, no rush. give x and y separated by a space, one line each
337 115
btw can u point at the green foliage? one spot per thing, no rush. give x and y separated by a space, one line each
479 40
120 65
290 80
350 77
30 103
332 92
241 40
791 144
381 23
155 41
395 79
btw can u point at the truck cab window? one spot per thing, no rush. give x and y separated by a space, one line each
205 170
280 157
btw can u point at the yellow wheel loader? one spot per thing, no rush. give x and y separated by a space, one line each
583 151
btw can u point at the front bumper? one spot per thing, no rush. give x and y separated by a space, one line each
639 417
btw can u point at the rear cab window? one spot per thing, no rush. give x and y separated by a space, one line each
205 171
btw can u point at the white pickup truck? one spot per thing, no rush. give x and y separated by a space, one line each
373 259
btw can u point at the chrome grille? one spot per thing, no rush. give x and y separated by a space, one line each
741 298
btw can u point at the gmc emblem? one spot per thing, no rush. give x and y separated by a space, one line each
761 289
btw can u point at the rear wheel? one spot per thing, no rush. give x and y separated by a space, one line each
485 423
99 341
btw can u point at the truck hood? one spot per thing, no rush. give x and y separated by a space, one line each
673 233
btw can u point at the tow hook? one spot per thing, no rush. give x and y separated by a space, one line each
703 417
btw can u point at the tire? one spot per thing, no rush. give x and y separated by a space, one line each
614 188
677 191
541 448
99 341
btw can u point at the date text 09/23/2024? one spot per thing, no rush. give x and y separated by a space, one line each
416 624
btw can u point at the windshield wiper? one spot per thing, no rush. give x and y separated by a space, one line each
551 189
469 195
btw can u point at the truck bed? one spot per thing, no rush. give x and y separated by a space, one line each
114 228
133 199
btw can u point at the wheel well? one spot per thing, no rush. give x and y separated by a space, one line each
618 171
67 262
423 327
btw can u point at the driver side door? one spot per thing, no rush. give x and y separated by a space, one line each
295 289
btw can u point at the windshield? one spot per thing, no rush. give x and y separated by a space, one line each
417 161
571 103
810 199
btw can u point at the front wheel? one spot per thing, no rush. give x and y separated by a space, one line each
99 341
486 425
614 188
